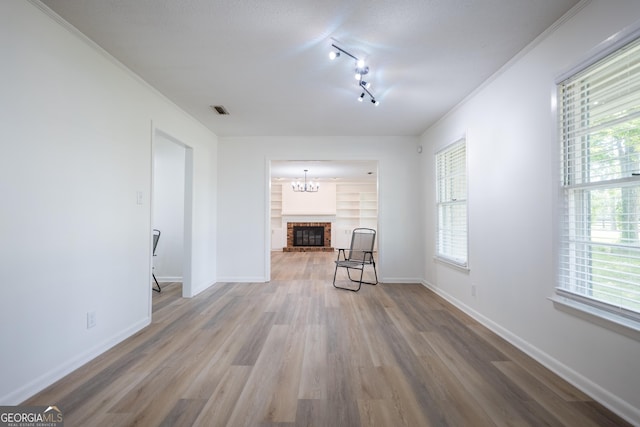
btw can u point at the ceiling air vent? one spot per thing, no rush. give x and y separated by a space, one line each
219 109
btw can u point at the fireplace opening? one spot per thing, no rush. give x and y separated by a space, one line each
308 235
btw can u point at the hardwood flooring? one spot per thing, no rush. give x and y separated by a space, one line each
298 352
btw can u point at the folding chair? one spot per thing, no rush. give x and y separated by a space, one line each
156 237
357 257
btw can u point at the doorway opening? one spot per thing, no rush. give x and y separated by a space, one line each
171 212
350 200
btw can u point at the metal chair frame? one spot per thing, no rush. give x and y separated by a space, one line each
357 257
156 238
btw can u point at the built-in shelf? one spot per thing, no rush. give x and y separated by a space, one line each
357 206
276 206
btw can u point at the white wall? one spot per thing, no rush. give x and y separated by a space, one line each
322 202
76 149
243 195
168 208
513 181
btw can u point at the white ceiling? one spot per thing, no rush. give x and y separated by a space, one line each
319 170
267 61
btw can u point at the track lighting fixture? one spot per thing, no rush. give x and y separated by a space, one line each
361 69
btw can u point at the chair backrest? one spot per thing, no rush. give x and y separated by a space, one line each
362 240
156 237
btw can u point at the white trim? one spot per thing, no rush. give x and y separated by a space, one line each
398 280
48 378
169 279
602 50
267 221
612 402
202 286
267 206
509 64
187 255
604 318
446 149
93 45
450 263
242 279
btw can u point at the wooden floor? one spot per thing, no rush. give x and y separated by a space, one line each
297 352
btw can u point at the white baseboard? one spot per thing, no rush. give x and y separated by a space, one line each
167 279
406 280
201 287
596 392
23 393
241 279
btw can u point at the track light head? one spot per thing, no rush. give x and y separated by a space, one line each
334 54
362 71
361 97
374 102
364 84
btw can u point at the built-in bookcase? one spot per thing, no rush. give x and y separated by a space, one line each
276 206
357 206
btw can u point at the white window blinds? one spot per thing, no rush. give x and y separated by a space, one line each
599 117
451 200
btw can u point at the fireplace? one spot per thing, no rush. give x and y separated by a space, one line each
308 236
304 235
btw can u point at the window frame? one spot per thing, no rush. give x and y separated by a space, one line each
568 189
440 256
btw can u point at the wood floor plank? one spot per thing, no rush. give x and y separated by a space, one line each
283 402
561 410
407 409
313 384
218 409
378 413
559 386
183 413
252 404
503 409
298 352
250 352
450 392
312 413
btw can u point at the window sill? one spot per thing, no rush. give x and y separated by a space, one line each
449 263
628 327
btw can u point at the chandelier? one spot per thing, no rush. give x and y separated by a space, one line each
308 187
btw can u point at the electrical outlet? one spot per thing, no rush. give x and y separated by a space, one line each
473 290
91 319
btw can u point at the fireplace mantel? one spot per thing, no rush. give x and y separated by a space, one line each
308 218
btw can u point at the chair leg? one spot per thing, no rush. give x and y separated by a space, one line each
361 274
157 284
373 263
340 287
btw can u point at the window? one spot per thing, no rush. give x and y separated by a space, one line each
599 118
451 200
